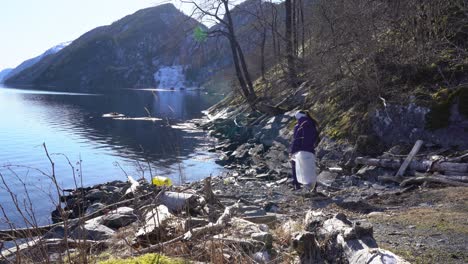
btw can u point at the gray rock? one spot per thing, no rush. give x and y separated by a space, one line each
111 189
363 229
56 232
242 151
96 195
262 257
256 150
92 231
271 207
264 237
327 177
120 217
407 123
94 207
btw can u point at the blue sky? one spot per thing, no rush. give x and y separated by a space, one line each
29 27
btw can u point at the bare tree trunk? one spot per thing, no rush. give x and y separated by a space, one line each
239 62
273 31
303 27
294 26
289 44
262 53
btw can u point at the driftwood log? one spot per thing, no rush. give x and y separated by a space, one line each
417 146
425 165
460 178
221 223
444 180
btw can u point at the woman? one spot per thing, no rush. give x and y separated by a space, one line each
303 151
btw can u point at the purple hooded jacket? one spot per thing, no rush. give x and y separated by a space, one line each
305 136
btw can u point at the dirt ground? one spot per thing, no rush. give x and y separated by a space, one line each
426 225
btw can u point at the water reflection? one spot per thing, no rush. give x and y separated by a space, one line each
72 124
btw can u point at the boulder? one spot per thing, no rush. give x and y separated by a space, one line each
92 230
94 208
264 237
326 178
120 217
96 195
242 151
262 257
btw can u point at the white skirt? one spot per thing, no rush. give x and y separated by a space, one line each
305 168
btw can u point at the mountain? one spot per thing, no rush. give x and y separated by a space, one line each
126 54
4 73
28 63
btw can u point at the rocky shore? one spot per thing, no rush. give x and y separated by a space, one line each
252 215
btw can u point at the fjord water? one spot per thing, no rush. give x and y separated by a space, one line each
71 125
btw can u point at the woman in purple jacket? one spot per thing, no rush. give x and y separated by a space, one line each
304 140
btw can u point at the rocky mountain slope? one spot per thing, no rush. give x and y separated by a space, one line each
134 51
125 54
31 62
4 73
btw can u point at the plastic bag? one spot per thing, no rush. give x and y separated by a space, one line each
305 168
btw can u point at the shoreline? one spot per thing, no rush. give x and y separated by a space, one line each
280 216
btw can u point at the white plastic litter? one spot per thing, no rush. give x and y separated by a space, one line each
134 185
305 168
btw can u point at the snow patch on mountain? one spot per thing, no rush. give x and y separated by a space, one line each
168 77
28 63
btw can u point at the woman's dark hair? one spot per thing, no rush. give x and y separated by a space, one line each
307 113
317 127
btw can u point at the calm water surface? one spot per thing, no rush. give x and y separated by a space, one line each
71 125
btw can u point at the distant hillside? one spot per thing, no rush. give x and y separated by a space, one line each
125 54
28 63
134 52
4 73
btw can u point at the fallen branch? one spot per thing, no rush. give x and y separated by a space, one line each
418 180
425 165
443 176
458 159
223 220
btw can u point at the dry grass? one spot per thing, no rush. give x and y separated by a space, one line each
441 219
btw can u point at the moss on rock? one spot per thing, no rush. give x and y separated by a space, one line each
439 116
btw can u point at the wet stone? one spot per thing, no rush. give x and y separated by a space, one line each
96 195
94 208
120 217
